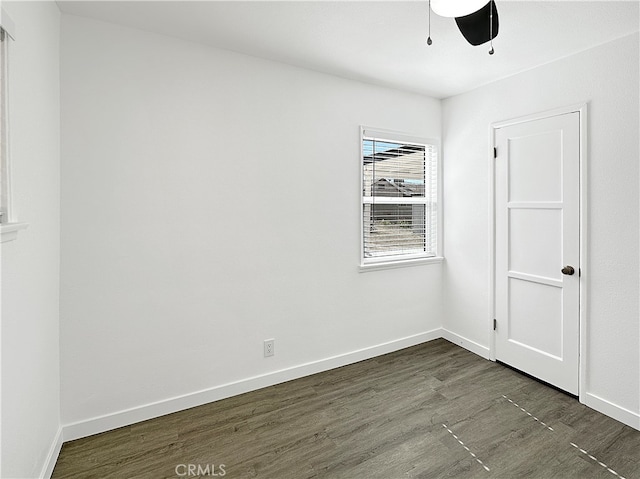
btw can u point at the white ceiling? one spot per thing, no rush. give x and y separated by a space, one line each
380 42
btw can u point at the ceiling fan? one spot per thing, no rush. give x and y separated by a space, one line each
477 20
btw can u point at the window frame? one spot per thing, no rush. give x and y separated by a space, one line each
411 259
9 227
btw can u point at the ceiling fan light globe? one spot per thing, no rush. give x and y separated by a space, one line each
456 8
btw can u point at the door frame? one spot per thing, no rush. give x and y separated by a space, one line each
581 109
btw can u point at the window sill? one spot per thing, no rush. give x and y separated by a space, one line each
400 264
9 231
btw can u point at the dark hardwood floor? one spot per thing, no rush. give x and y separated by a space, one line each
430 411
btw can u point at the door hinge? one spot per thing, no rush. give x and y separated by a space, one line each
495 152
495 324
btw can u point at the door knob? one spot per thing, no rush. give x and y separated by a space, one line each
568 270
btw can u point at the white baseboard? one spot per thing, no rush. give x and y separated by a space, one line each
467 344
100 424
52 456
160 408
625 416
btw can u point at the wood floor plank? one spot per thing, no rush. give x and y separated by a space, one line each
381 418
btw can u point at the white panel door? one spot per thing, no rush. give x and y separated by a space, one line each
537 188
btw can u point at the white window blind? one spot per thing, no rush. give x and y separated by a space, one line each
399 198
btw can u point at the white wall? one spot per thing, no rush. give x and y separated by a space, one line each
210 200
30 264
607 78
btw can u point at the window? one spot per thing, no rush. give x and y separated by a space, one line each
8 226
399 198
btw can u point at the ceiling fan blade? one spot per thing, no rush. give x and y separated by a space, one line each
476 27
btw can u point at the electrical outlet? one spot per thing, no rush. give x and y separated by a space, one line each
269 347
